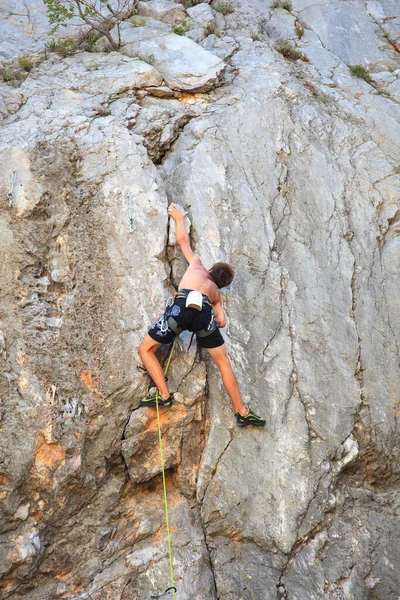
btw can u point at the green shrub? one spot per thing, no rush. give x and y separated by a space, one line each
256 37
96 13
103 112
286 4
182 28
288 51
360 71
25 63
225 8
138 21
210 29
299 30
383 92
7 74
64 47
89 40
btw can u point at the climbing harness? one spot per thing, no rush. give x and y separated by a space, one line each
10 195
173 324
167 591
171 568
132 224
185 293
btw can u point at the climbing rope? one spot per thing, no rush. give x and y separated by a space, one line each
171 568
10 195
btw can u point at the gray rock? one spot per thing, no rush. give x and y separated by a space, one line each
202 14
162 10
281 25
224 48
140 448
394 90
183 64
195 32
383 79
332 22
387 14
24 28
161 91
159 123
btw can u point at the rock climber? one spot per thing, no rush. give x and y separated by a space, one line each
196 307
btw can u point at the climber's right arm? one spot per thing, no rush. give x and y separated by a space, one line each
182 236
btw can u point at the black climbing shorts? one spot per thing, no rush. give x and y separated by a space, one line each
191 320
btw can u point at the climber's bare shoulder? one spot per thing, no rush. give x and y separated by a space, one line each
196 277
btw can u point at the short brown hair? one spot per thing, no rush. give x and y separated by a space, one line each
222 274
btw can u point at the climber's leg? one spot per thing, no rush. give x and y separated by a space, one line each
244 416
147 353
229 380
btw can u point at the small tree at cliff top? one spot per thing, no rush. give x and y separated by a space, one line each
100 15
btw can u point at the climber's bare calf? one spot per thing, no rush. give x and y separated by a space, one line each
229 380
147 353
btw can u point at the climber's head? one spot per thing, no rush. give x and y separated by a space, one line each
222 274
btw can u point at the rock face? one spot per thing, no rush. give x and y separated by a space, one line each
24 27
184 64
162 10
290 171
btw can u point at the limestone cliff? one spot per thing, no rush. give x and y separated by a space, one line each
290 170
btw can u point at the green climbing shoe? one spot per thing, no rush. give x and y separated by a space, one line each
151 401
249 419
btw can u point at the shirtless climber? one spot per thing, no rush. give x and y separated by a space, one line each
204 318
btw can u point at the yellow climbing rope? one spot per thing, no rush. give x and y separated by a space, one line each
171 567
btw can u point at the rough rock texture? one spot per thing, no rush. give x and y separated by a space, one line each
24 27
184 64
289 170
162 10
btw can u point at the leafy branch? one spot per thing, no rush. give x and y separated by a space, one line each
99 15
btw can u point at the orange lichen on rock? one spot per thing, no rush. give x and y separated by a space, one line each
7 585
86 378
395 45
187 98
157 536
48 455
5 486
62 576
37 516
167 417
